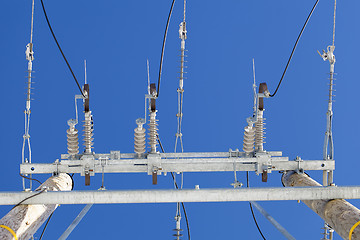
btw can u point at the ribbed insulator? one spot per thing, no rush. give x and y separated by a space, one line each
139 140
249 137
178 234
88 132
259 132
178 230
72 141
153 132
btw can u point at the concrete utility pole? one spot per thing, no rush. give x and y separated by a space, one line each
338 213
24 220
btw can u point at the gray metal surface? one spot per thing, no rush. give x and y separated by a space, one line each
177 162
173 196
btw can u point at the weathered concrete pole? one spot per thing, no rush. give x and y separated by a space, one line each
24 220
338 213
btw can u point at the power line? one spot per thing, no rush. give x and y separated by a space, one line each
29 178
163 46
251 208
47 222
32 21
333 43
293 50
177 187
62 53
43 190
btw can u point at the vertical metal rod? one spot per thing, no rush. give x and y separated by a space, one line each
273 221
76 221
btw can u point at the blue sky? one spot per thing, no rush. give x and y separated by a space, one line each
116 38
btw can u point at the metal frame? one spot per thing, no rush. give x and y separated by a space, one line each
117 162
173 196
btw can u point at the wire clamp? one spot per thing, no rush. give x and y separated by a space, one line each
29 52
299 170
329 55
182 31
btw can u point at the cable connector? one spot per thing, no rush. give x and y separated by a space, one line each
329 55
29 52
182 31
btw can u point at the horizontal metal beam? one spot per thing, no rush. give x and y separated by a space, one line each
139 166
172 196
184 162
116 155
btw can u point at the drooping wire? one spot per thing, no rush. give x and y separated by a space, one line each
252 210
177 187
38 193
293 50
47 222
163 46
58 45
29 178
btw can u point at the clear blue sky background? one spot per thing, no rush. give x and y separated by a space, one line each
116 38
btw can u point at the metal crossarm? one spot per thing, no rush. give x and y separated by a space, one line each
176 162
174 196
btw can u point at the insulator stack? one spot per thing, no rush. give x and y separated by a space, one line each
153 131
249 138
88 132
178 230
259 132
139 137
72 138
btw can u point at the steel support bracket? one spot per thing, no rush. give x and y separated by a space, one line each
115 155
88 163
263 163
154 163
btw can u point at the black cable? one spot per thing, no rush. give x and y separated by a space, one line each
62 53
47 222
163 46
293 50
29 198
30 178
177 187
251 208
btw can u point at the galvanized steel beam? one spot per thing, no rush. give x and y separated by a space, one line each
173 196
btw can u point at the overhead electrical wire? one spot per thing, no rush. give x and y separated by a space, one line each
163 47
38 193
252 210
29 178
32 21
333 43
293 50
58 45
47 222
26 137
177 187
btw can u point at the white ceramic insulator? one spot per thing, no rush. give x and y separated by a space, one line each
88 132
139 140
259 132
249 138
153 132
72 141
